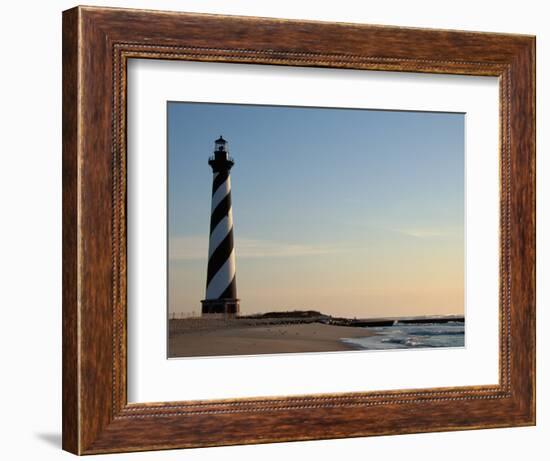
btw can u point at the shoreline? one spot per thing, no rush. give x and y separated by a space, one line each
219 339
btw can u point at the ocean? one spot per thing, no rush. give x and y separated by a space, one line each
408 336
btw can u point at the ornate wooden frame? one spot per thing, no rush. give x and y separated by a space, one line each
97 43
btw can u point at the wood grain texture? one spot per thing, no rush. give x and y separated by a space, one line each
97 43
70 384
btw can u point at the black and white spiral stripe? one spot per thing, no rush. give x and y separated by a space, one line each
220 281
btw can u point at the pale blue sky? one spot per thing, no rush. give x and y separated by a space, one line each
352 212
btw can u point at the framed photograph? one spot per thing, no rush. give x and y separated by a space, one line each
324 269
281 230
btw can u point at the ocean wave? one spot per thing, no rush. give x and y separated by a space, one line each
411 336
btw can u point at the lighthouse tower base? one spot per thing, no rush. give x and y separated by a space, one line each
224 307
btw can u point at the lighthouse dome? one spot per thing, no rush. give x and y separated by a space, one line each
221 144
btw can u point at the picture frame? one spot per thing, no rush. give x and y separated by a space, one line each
97 44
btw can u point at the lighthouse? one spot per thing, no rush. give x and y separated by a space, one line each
221 286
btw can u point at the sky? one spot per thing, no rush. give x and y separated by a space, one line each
352 212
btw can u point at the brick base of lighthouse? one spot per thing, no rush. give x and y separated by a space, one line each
224 307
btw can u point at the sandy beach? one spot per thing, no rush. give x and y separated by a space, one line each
188 340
